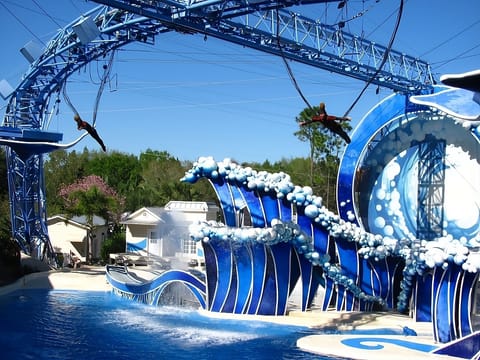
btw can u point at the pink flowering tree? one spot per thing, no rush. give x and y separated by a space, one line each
91 196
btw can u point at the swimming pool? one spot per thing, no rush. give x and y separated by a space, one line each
54 324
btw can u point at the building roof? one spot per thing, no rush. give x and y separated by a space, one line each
190 206
144 216
155 215
77 220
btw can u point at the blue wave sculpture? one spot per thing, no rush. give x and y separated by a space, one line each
291 237
314 238
149 292
253 270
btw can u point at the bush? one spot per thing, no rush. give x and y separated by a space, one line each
115 243
10 261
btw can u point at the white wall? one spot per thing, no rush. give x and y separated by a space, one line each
62 234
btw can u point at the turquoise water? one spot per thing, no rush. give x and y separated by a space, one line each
43 324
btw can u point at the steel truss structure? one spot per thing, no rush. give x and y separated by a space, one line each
431 188
262 25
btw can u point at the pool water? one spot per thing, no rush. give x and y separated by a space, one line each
52 324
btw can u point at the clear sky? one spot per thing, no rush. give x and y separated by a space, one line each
194 98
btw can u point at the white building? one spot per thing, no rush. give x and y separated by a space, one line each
163 232
68 236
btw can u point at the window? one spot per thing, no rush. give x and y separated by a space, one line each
153 237
189 246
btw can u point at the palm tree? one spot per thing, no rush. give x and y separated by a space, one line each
325 148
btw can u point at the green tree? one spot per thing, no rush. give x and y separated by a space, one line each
325 149
120 171
91 196
115 243
61 168
161 174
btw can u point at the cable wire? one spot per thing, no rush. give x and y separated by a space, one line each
22 23
450 38
105 78
384 60
287 65
47 14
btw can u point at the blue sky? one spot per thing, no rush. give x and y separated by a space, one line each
194 98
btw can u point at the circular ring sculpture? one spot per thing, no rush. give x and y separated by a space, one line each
409 175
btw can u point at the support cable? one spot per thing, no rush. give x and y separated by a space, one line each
22 23
384 60
105 78
287 65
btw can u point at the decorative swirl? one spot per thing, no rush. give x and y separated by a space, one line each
363 343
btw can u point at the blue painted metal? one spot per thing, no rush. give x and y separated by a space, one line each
271 207
306 266
148 292
349 262
244 266
431 188
285 210
465 301
222 189
268 300
452 302
467 347
282 262
375 343
254 207
254 24
259 259
423 298
211 269
434 298
224 262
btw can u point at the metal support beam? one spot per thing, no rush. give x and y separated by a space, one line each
258 25
431 188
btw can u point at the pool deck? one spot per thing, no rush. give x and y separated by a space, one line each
83 278
369 346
